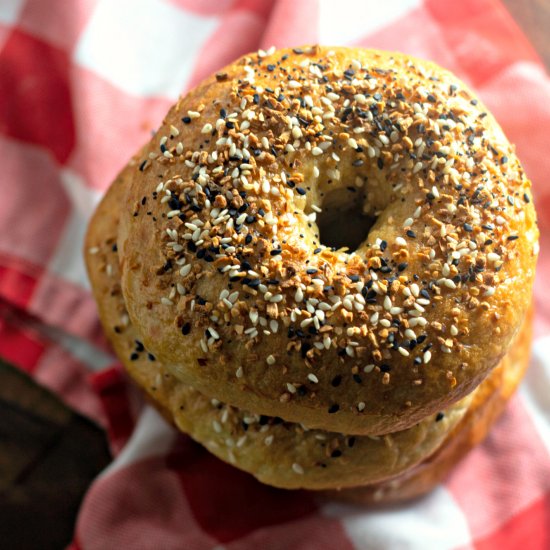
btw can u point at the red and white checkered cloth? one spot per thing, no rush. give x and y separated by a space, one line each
82 83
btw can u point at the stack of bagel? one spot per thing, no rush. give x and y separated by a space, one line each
320 268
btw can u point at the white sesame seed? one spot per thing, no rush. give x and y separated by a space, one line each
403 351
352 143
427 356
297 468
361 406
449 283
184 271
400 241
270 360
166 301
316 151
239 372
214 333
312 378
294 84
268 440
291 388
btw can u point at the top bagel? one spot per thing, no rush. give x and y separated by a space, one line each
230 283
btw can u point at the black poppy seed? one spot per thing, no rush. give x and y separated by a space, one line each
513 237
402 266
311 271
142 166
333 409
336 453
411 234
134 356
139 346
336 381
301 190
440 416
357 379
186 120
151 357
468 227
186 329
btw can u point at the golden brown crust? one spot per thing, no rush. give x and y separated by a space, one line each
218 239
276 452
488 404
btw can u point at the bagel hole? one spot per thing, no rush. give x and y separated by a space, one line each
343 224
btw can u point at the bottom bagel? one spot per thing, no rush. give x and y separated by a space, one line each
398 465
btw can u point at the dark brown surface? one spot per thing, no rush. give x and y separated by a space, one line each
49 455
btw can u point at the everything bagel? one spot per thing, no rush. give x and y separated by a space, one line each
230 282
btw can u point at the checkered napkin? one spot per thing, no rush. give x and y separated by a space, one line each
82 84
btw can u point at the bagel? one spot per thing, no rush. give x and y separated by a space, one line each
342 238
487 405
279 453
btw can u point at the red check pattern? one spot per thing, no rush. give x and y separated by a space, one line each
81 87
